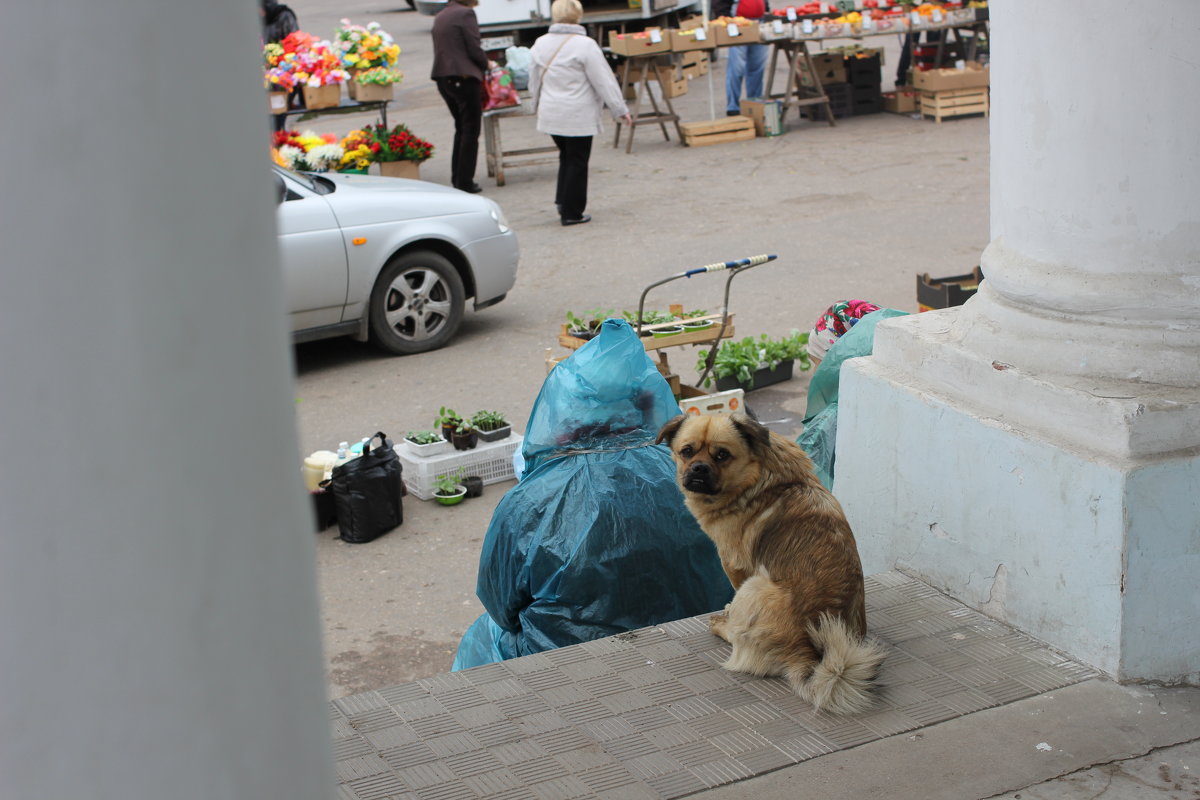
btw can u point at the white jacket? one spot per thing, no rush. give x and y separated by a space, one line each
570 95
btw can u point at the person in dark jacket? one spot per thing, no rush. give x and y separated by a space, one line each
747 62
458 66
277 21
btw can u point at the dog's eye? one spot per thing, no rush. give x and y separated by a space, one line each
721 455
686 451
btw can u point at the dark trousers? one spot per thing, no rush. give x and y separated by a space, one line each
571 193
464 98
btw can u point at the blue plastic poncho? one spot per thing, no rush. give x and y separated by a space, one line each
820 415
595 539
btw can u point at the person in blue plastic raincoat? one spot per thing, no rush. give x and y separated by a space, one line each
595 539
846 330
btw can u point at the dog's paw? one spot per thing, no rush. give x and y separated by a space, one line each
717 623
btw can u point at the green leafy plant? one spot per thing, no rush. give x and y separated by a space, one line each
488 420
423 437
447 418
700 312
463 427
741 359
448 484
590 321
648 317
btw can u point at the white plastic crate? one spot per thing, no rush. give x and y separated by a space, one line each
491 461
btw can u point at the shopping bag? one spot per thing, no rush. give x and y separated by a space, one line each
498 88
518 61
367 492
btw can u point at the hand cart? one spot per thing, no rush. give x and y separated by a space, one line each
712 335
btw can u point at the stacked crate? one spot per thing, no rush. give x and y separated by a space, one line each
864 74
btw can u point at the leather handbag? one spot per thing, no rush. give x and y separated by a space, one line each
367 492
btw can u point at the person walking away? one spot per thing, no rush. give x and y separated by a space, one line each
459 62
747 62
571 83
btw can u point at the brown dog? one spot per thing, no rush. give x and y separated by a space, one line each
799 610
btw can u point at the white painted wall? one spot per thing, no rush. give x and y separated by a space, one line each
159 633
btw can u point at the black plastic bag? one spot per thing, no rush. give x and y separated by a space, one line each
367 492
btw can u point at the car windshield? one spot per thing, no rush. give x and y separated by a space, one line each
314 183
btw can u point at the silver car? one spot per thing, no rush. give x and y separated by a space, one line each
388 259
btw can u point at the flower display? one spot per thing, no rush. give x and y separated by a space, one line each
357 150
306 152
364 48
302 60
398 144
381 76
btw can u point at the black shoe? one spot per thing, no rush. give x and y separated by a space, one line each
733 113
474 188
580 221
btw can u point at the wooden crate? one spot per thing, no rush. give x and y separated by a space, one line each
705 336
954 103
718 131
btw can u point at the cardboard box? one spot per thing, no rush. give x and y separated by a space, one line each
694 21
975 76
683 41
329 96
672 82
697 67
746 34
277 102
830 68
718 131
777 30
766 113
901 101
946 292
373 92
638 44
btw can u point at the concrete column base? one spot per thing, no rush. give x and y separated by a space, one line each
1032 501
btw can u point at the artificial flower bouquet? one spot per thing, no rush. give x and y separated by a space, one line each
300 60
358 151
364 48
398 144
369 85
306 152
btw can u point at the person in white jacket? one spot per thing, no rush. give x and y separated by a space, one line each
571 83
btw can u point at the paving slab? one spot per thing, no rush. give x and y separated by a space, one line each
968 708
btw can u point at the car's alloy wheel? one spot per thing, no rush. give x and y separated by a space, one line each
417 303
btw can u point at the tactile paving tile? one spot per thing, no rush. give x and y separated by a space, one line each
652 714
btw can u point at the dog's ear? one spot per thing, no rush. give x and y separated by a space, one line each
754 432
668 431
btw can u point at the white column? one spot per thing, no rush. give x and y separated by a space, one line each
159 627
1035 451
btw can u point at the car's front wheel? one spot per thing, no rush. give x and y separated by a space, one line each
417 303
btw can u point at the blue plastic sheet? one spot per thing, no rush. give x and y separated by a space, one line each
595 539
820 414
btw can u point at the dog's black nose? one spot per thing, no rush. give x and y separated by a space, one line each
700 469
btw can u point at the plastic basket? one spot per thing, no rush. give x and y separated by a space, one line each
726 402
491 461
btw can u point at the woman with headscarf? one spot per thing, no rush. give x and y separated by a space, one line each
571 83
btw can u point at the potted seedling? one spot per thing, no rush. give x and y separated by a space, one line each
447 420
588 325
473 485
691 324
425 443
653 318
754 363
490 425
447 490
464 437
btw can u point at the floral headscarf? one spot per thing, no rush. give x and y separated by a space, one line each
837 319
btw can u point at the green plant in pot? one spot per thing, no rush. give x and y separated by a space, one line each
752 363
691 324
588 325
491 426
425 443
447 420
652 318
464 437
448 490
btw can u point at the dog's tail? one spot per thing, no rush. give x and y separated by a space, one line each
842 681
